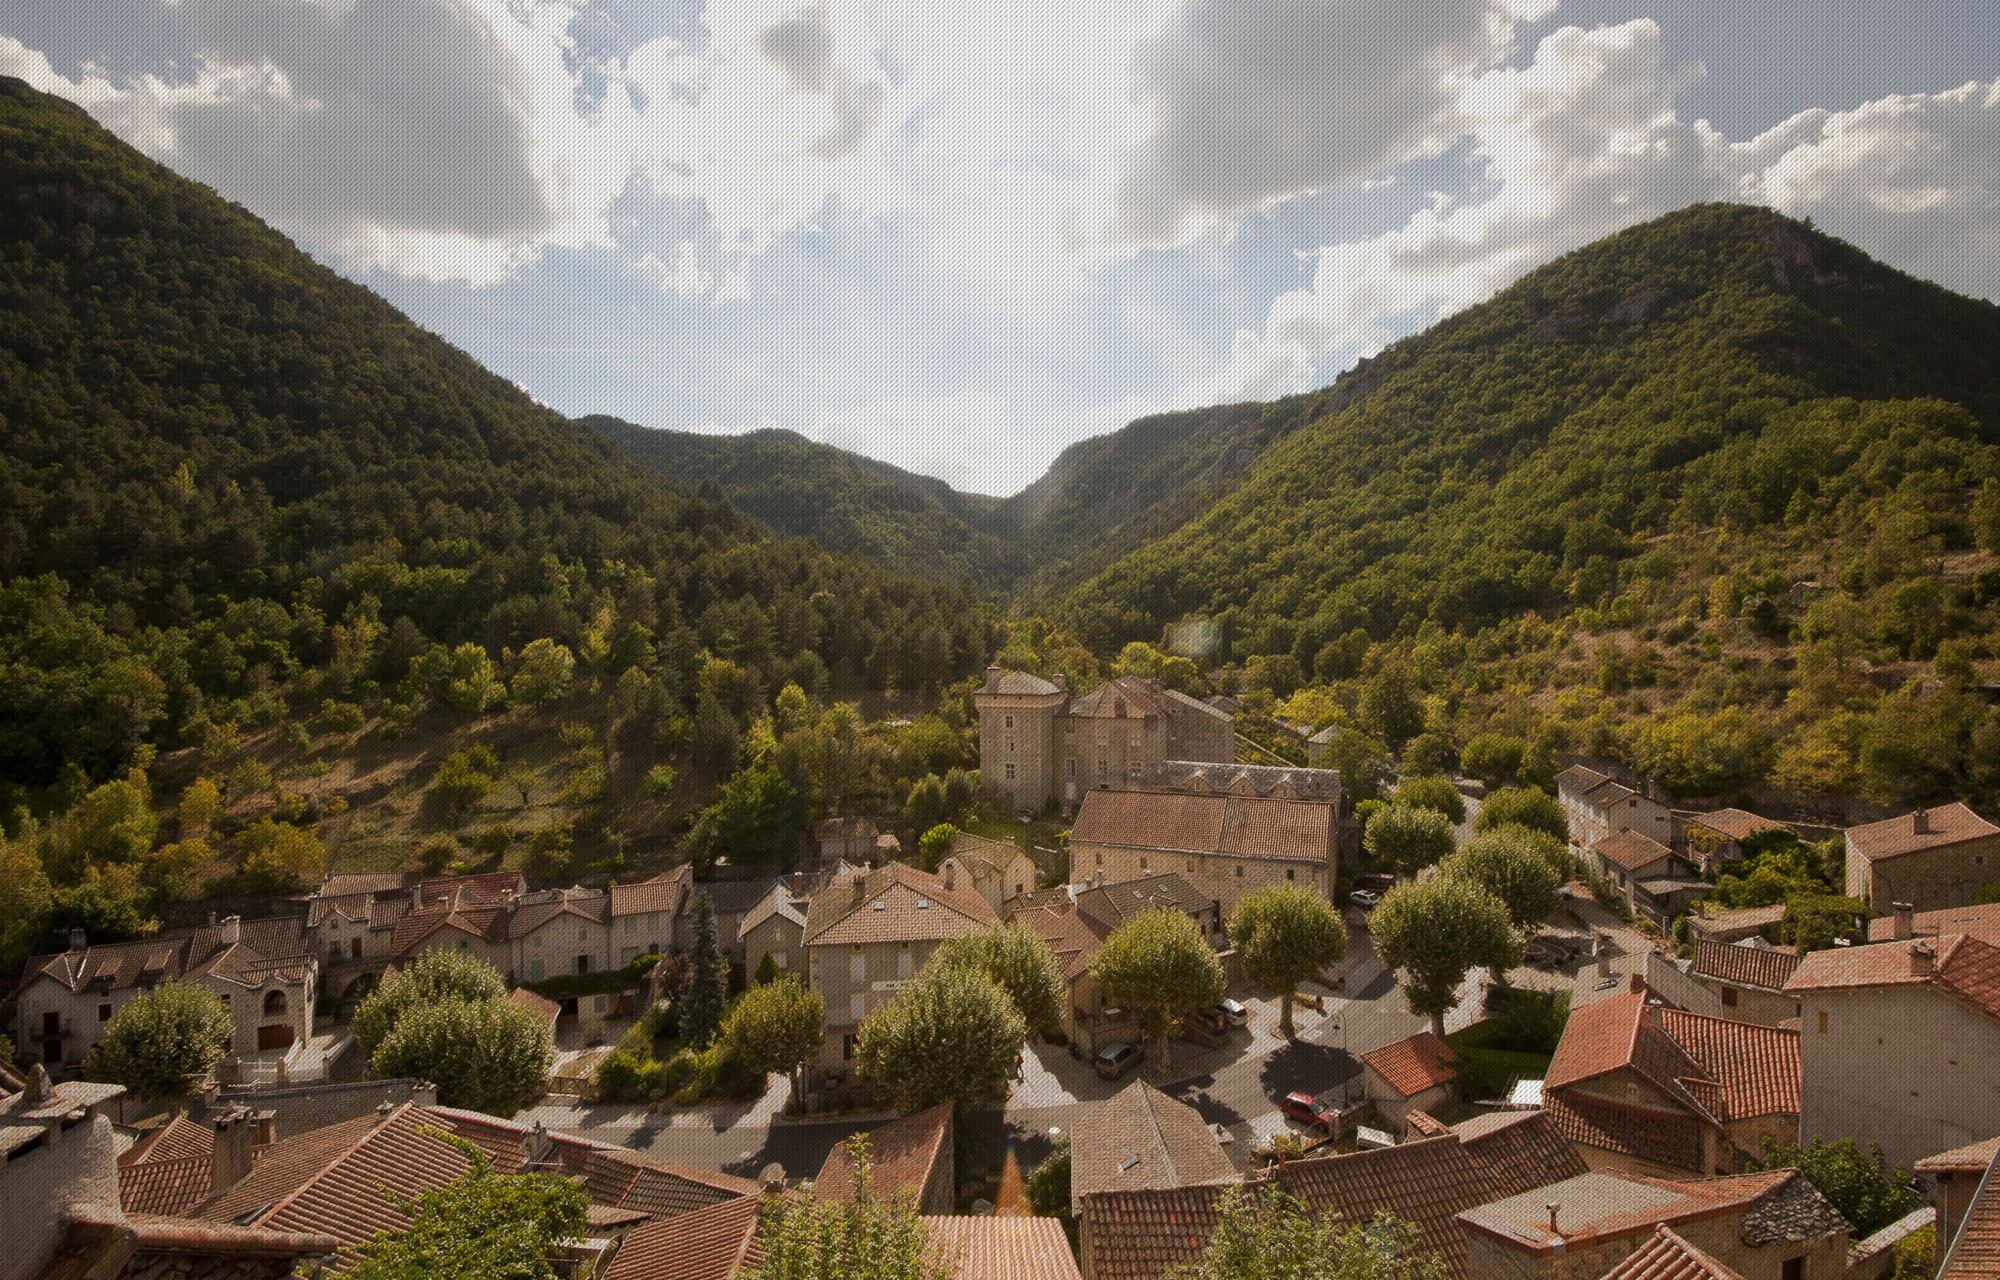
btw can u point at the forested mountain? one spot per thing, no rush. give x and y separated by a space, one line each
260 531
844 502
1750 469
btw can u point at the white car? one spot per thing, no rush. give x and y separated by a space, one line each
1364 898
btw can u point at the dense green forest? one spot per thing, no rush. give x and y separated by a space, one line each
284 576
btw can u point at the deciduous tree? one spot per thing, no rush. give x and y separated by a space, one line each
1016 961
1409 837
1433 793
776 1026
1159 964
1526 806
162 1042
431 978
1438 930
950 1035
1518 865
1265 1234
1286 934
1860 1183
870 1237
482 1223
485 1055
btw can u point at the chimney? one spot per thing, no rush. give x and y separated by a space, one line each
860 889
1903 918
950 872
211 919
76 941
1923 958
232 930
1552 1207
416 897
798 884
266 1131
233 1138
1920 822
1060 682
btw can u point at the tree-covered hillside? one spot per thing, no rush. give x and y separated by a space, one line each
846 503
284 577
1747 469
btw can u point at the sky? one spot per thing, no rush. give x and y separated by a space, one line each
960 238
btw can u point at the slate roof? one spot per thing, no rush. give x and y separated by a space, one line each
1131 697
1167 1141
1945 825
1003 1248
487 923
1016 684
1765 968
712 1243
776 902
265 950
1631 850
1262 779
538 910
915 907
1964 968
1248 827
904 1154
1113 904
1579 781
1666 1256
661 893
1413 1064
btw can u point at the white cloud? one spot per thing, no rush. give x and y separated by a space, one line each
683 277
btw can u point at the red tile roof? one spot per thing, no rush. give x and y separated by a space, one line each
904 1153
1068 932
1669 1139
1413 1064
1140 1137
1425 1183
1138 1235
1003 1248
1981 922
661 893
1599 1037
1960 966
488 924
1666 1256
1735 824
1631 850
712 1243
1755 1068
1973 1156
1767 968
177 1139
1579 781
170 1186
1975 1251
1230 825
1943 826
1518 1150
541 1006
915 907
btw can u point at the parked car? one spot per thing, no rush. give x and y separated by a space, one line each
1309 1110
1118 1057
1366 899
1234 1012
1375 881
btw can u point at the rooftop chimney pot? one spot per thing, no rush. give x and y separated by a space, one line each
1923 957
1920 822
1903 918
1552 1219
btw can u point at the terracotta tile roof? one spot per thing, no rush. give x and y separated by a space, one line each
541 1006
169 1186
1133 697
488 887
177 1139
1413 1064
1943 826
1646 1133
904 1152
1964 968
661 893
1631 850
1735 824
1975 1251
367 883
1425 1183
488 924
1981 922
1166 1141
1579 781
1666 1256
712 1243
1599 1037
1766 968
1229 825
1518 1150
612 1176
1755 1068
1002 1248
915 906
776 902
1113 904
1425 1125
1964 1159
1608 1203
1016 684
1138 1235
1070 934
538 910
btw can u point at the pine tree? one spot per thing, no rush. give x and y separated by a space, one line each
701 1008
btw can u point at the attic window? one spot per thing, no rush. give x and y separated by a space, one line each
881 905
922 903
1129 1161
